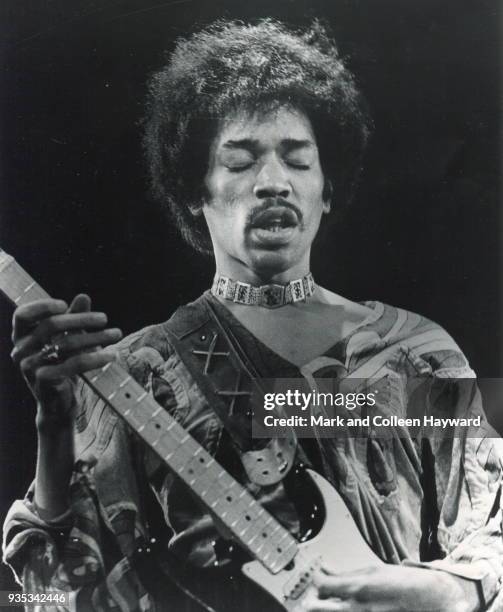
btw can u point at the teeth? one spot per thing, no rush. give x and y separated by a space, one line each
274 226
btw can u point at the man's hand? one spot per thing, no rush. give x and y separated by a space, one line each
391 588
53 322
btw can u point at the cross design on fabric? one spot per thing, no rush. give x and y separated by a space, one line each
235 393
211 352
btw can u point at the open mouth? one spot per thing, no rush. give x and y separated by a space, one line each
275 219
274 227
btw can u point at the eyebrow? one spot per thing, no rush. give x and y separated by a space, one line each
251 144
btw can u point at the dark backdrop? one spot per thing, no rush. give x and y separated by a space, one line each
423 232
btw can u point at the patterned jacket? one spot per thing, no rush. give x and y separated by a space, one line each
387 484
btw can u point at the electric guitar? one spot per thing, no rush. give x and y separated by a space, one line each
281 566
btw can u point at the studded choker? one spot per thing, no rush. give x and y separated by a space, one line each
268 296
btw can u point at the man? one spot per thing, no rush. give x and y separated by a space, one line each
253 134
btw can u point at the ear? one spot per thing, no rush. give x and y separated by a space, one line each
327 196
196 210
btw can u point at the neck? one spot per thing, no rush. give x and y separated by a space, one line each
257 276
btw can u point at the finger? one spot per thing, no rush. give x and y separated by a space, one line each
54 330
27 316
80 303
67 346
332 606
74 343
58 324
312 603
79 364
25 347
344 586
330 570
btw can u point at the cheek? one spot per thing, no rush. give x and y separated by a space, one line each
226 188
314 195
225 218
223 207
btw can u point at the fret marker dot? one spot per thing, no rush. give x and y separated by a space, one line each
157 426
228 498
128 395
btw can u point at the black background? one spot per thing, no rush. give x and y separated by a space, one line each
423 232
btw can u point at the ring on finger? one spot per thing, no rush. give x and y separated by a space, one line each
50 353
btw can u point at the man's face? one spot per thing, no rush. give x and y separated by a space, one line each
264 186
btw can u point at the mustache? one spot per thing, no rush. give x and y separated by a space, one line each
267 204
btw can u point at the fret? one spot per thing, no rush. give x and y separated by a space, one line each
141 397
232 503
27 289
94 378
125 382
18 286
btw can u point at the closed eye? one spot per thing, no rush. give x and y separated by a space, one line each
240 168
297 165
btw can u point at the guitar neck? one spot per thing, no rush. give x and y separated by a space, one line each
251 525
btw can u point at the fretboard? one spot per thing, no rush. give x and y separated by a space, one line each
251 525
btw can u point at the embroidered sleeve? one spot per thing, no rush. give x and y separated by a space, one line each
468 476
87 551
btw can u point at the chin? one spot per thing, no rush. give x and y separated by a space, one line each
271 263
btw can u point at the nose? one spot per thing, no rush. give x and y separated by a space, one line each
272 181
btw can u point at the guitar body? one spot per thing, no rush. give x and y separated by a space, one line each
339 545
249 586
